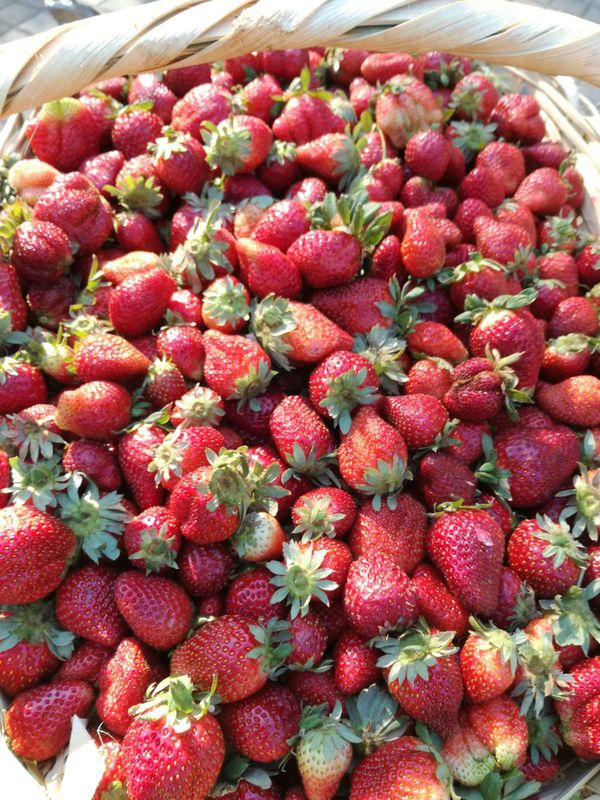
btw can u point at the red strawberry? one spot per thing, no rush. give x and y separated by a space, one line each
84 664
164 383
340 383
238 144
503 242
326 258
36 549
200 103
138 303
152 540
574 315
315 688
542 191
136 451
158 610
261 726
517 117
257 97
430 377
41 252
198 406
123 681
423 675
63 133
485 184
281 224
575 401
96 410
301 438
308 639
74 204
488 661
506 161
182 79
577 712
474 97
427 153
355 307
250 595
184 345
383 66
355 663
297 331
136 232
222 647
180 162
32 646
11 299
104 357
437 604
38 721
86 606
205 569
235 367
420 418
265 269
200 523
436 340
102 170
468 548
134 129
173 722
444 478
588 265
378 596
149 87
324 511
306 118
423 249
22 385
545 555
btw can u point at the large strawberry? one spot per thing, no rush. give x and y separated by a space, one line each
235 367
301 437
105 357
176 719
35 550
63 133
97 410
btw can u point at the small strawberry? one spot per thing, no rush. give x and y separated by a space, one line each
355 663
84 664
251 595
420 418
226 305
164 383
423 248
152 540
485 184
102 170
436 341
134 129
63 133
428 154
488 662
198 406
301 438
180 161
341 382
149 87
588 265
324 511
474 97
282 224
181 79
574 315
355 307
404 107
38 721
184 346
575 401
41 252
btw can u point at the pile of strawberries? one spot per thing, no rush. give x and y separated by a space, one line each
300 434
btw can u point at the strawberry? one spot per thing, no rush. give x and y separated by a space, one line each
517 118
539 460
545 555
485 184
474 97
152 540
251 596
164 383
438 341
296 331
261 726
405 107
423 249
472 571
306 118
199 521
185 306
96 410
238 144
205 569
373 457
184 346
199 104
555 279
136 232
542 191
579 726
36 550
113 776
420 418
427 154
444 478
257 97
254 421
136 451
341 382
378 596
324 511
149 87
300 436
399 768
107 357
565 357
84 664
123 680
22 385
500 727
180 161
383 66
32 646
575 401
437 604
503 242
74 204
222 647
314 688
423 675
138 303
175 719
13 311
574 315
506 161
63 133
326 258
198 406
41 252
308 640
588 265
265 269
235 367
102 170
183 451
279 170
182 79
355 307
282 224
429 376
38 721
85 605
488 662
134 129
355 663
323 751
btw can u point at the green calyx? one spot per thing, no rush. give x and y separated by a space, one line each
227 145
199 406
272 318
575 623
97 520
225 302
353 213
477 309
300 577
509 381
281 152
31 437
560 543
542 674
34 623
583 506
11 216
40 482
301 463
237 768
253 383
274 646
156 550
561 229
413 653
315 519
176 701
201 252
475 265
167 457
489 637
544 741
327 734
404 308
344 393
384 349
137 194
489 473
170 143
384 480
468 101
373 716
471 137
506 786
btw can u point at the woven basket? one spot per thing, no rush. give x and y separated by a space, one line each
530 45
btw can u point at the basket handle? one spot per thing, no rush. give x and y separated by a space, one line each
171 33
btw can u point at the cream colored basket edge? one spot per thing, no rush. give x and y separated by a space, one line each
533 46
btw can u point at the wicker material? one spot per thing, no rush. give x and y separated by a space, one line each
168 32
